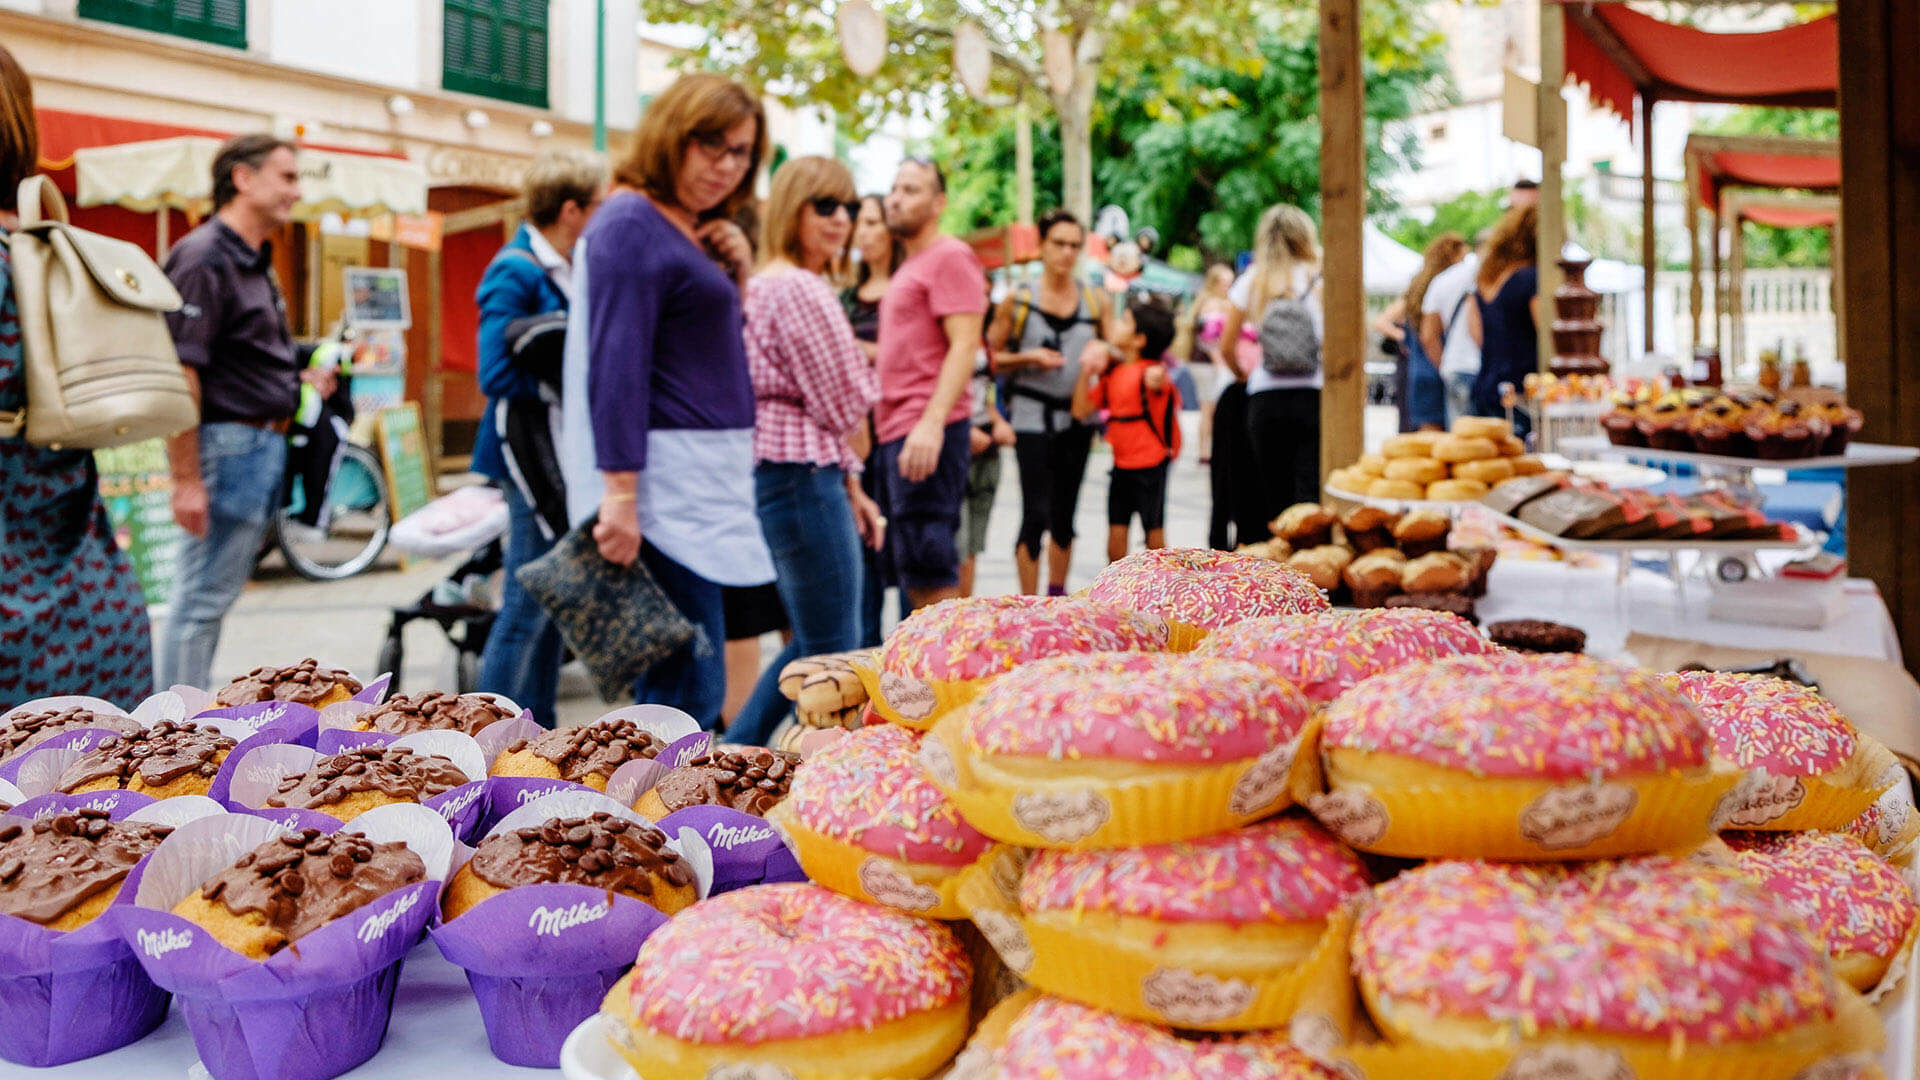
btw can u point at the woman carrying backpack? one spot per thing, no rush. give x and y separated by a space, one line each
1281 291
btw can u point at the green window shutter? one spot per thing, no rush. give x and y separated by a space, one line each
497 48
220 22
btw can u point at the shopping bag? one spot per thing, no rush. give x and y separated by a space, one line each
616 619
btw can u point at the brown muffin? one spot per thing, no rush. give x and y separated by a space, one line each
23 731
1322 565
63 871
588 754
305 683
1375 576
1437 572
1304 525
1368 528
605 851
350 784
293 885
750 779
1422 532
434 710
169 759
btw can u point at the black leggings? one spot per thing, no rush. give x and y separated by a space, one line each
1285 428
1053 466
1237 498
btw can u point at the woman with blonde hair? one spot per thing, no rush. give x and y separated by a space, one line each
1502 317
1280 294
658 431
812 389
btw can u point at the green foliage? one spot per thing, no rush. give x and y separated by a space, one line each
1768 246
1467 213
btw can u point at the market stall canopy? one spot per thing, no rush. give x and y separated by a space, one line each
178 172
1721 162
1387 265
1618 52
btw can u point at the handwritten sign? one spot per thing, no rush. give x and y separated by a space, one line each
403 454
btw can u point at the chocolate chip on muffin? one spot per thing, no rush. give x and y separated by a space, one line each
601 850
293 885
62 871
306 683
152 760
23 731
377 775
434 710
588 754
751 780
1537 636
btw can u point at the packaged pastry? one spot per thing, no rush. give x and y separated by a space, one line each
621 754
308 683
866 821
794 981
1238 931
1196 590
826 691
1657 968
1324 656
69 986
943 656
283 949
1802 765
1517 757
547 913
1117 750
72 721
1861 911
444 771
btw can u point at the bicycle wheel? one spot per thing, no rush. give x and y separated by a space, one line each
357 522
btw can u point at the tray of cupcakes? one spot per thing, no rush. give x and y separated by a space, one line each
1587 516
1426 470
1737 429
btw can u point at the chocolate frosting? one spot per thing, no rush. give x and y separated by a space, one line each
160 754
303 683
24 731
592 749
435 711
391 770
53 865
750 780
604 851
302 881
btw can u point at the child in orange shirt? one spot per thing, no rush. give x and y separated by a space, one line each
1127 375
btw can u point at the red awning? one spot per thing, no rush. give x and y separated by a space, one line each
1724 168
1618 52
61 133
1786 217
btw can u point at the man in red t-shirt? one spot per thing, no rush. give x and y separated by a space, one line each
1143 418
930 321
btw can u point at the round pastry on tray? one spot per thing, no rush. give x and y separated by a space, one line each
170 758
1326 655
293 885
1860 909
25 729
308 683
600 850
588 754
752 780
62 872
434 710
1197 590
349 784
826 691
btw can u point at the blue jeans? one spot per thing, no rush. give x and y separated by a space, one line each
244 469
694 678
522 658
816 552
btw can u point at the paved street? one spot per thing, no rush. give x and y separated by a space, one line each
282 617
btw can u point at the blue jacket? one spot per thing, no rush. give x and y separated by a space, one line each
513 287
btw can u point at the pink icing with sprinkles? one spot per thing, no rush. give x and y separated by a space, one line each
1552 717
1851 899
1656 947
1326 654
868 790
1286 870
1760 722
1156 707
1206 588
1062 1040
792 961
980 637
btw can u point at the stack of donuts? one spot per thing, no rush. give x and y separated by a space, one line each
1459 465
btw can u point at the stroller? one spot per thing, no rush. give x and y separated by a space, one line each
474 520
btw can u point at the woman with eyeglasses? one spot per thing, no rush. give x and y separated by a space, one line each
812 388
659 409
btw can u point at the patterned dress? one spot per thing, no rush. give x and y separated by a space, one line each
72 617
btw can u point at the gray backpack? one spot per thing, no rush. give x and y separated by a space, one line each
1289 344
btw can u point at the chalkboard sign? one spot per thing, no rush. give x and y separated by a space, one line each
403 453
135 486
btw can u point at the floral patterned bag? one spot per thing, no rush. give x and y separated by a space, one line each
616 619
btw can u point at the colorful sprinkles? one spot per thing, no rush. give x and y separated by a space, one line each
1760 722
980 637
1551 717
792 961
1850 898
1654 947
1327 654
1061 1040
868 790
1205 588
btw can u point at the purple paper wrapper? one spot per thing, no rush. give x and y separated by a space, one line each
541 957
338 735
746 849
81 738
69 996
257 775
285 721
39 771
309 1012
684 742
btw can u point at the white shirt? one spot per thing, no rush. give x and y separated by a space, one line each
1445 294
1241 295
554 263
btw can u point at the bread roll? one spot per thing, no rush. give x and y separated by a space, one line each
1396 489
1488 471
1481 427
1455 490
1419 470
1453 448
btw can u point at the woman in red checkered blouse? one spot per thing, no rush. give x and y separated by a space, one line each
812 387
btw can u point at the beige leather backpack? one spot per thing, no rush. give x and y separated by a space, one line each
100 365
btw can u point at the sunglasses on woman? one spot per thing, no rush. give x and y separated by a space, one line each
826 205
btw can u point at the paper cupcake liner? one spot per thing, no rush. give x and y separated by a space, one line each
746 849
337 733
39 771
321 1034
1529 820
257 774
1801 803
1801 1054
1897 968
922 889
1179 805
1315 998
77 738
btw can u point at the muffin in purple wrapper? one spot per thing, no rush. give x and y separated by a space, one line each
622 754
69 986
747 850
443 771
352 724
552 908
283 949
68 721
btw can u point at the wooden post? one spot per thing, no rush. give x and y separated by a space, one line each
1695 301
436 284
1649 240
1553 158
1719 293
1880 187
1343 209
1736 291
1023 165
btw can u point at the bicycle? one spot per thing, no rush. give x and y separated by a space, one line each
356 521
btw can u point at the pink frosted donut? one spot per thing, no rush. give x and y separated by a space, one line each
795 976
869 791
1286 870
1326 654
1888 827
1859 908
1760 722
983 636
1660 949
1060 1040
1204 588
1521 716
